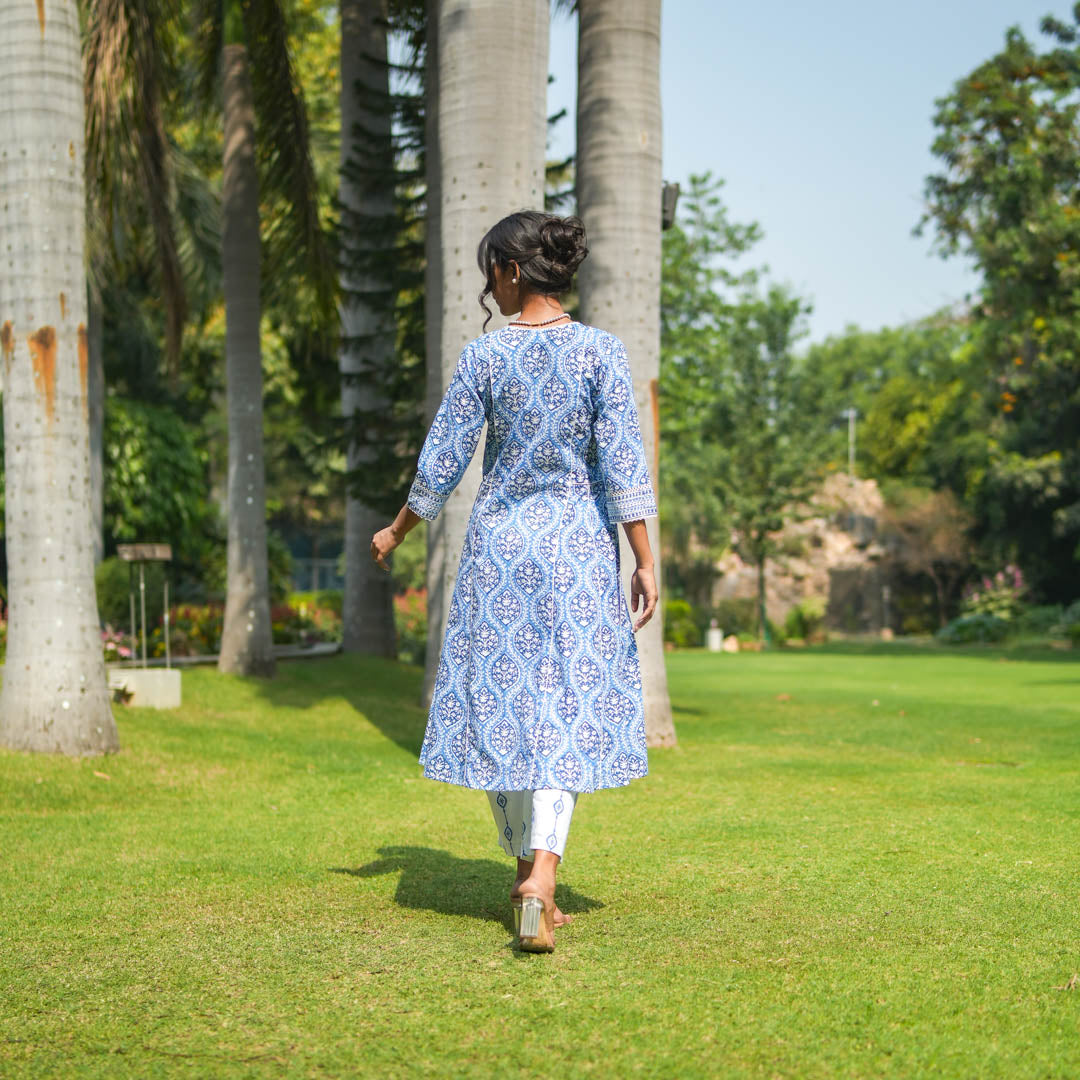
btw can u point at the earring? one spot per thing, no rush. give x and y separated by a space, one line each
513 281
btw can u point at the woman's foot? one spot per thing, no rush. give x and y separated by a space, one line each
540 883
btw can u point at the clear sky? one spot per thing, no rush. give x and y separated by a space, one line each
819 119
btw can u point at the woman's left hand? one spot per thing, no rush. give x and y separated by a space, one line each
382 543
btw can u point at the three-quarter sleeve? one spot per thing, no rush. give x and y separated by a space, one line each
451 440
620 452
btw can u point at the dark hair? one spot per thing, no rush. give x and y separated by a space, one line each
547 249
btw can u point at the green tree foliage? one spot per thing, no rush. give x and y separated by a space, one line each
918 393
695 319
740 449
386 254
156 480
933 533
771 446
1009 197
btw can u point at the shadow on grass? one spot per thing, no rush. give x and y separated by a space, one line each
386 692
433 880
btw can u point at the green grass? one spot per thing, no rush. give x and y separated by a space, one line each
857 862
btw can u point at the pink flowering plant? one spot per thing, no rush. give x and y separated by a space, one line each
1001 595
117 645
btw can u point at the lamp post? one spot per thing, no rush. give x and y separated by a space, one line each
850 414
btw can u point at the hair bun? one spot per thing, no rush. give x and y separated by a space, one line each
563 241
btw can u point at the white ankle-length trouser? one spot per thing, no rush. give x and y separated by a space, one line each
527 820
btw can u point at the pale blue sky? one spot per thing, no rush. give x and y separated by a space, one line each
819 119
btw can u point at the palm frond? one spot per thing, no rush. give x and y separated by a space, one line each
296 244
127 68
208 28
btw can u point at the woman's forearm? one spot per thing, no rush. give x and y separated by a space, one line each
405 522
637 537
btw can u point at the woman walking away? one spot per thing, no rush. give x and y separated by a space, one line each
538 694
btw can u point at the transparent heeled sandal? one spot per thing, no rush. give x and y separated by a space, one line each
535 933
515 906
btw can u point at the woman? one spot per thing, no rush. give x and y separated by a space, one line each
538 693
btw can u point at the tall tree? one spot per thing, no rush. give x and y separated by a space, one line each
265 125
128 68
485 170
619 199
932 528
1008 196
367 307
695 318
54 693
772 447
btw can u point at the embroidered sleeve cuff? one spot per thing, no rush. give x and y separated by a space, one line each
423 501
630 504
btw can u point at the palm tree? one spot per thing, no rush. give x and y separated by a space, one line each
259 90
128 69
488 54
367 315
54 695
619 199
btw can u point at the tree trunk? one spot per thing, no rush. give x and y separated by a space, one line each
939 589
95 392
54 693
763 618
368 613
246 641
619 199
488 167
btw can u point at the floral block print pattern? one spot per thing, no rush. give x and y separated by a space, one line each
538 683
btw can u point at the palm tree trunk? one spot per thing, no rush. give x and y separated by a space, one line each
54 695
619 199
95 392
487 168
246 641
367 324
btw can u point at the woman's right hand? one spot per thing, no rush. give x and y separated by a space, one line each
643 586
383 542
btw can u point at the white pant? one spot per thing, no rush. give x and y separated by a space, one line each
532 819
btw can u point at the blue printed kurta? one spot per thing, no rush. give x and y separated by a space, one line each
538 683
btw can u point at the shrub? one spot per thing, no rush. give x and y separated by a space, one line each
968 629
290 627
1040 621
323 600
806 619
114 580
1000 595
117 644
194 630
279 566
410 620
1071 614
736 616
794 547
680 625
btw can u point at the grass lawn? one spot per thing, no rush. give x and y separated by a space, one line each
857 863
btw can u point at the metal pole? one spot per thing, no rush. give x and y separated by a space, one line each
167 658
142 608
131 610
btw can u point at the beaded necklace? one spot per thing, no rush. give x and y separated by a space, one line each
546 322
